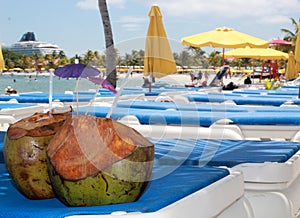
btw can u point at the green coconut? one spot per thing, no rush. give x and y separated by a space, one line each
98 161
25 157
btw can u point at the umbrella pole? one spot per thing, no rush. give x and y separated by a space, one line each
252 74
77 96
50 93
223 57
150 85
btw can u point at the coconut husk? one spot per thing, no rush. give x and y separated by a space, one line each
85 145
38 124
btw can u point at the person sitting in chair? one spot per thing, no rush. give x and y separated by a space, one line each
218 80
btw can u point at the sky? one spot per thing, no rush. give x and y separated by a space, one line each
76 25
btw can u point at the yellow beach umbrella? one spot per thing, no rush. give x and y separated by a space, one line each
297 53
297 46
2 65
290 72
257 53
297 56
158 59
297 70
224 38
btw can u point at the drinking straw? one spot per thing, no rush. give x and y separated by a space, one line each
50 93
119 93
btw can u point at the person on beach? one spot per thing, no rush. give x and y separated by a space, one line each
218 80
247 81
224 71
9 90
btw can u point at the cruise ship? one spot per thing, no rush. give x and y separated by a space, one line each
29 45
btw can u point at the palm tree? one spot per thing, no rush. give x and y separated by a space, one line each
109 44
198 57
184 58
38 59
88 57
290 35
215 59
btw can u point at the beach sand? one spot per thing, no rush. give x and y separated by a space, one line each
172 79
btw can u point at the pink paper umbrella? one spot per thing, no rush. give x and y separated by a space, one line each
103 82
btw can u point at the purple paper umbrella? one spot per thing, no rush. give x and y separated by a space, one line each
104 83
76 71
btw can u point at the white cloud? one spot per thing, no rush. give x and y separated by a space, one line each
132 23
131 19
260 10
87 4
93 4
131 26
117 3
275 19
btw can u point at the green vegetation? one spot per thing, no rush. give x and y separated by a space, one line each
186 58
290 35
37 61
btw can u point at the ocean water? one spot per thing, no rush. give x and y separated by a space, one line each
40 83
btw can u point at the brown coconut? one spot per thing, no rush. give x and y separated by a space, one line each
25 157
95 161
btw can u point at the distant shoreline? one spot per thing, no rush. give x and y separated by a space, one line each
15 73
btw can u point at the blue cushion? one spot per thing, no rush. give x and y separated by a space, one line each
197 118
44 97
238 99
289 91
222 152
160 193
2 137
138 104
15 105
1 152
